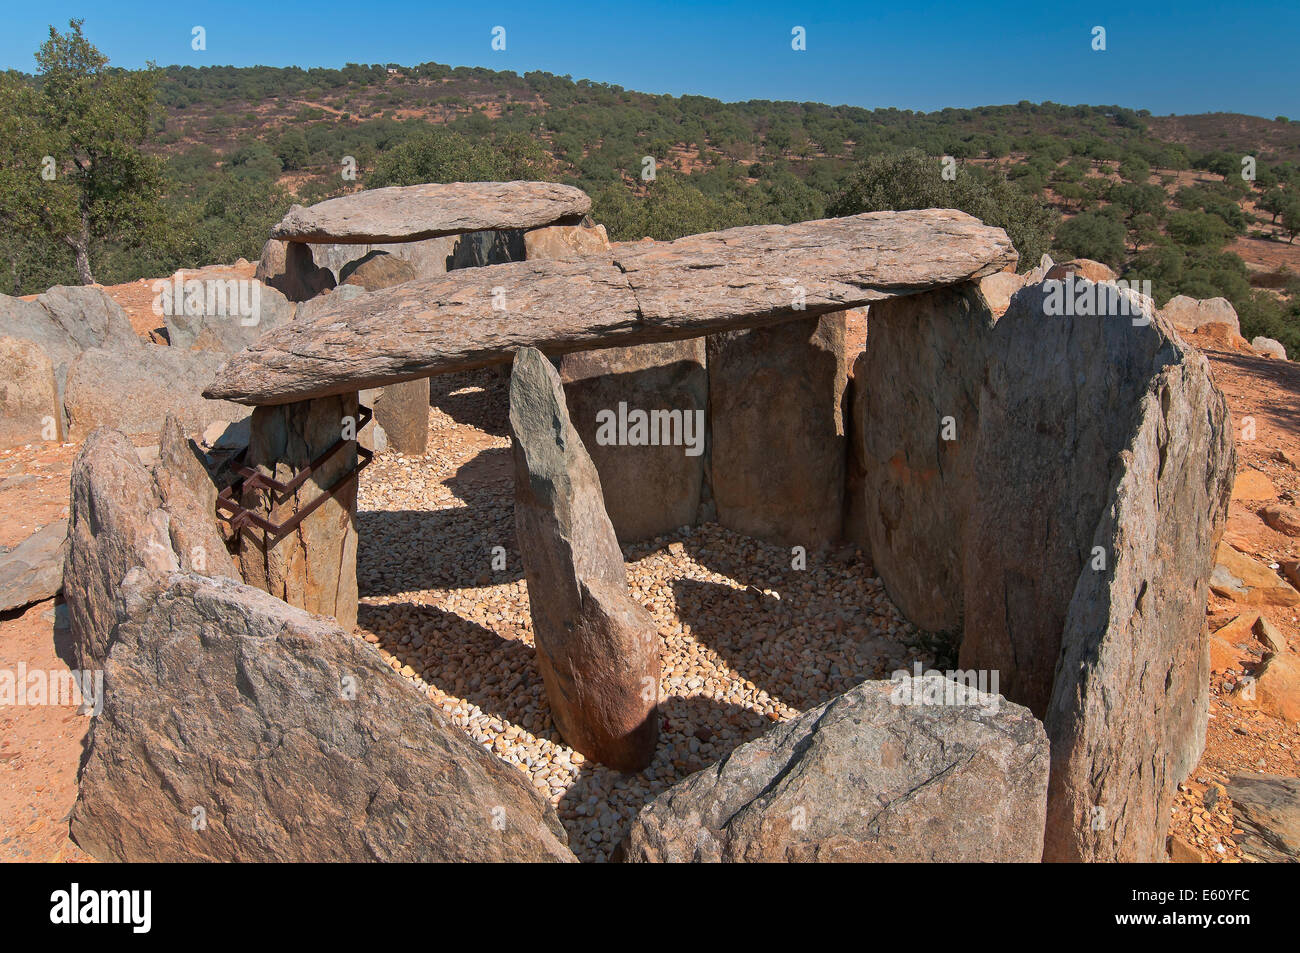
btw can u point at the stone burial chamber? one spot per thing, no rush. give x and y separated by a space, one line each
1044 490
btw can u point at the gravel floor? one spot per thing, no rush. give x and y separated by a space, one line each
747 640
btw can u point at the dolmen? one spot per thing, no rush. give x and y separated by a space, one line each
1045 488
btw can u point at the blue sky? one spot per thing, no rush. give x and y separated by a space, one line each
1188 57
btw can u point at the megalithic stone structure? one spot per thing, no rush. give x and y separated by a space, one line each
313 567
598 650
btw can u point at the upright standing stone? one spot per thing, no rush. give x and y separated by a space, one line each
919 388
597 649
776 426
315 566
403 411
653 486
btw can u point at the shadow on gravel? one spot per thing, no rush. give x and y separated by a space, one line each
682 721
486 409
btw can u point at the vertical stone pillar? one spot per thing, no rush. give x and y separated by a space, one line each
777 442
597 648
314 567
403 411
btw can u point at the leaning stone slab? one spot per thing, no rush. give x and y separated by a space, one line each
565 241
597 649
777 458
1101 480
33 570
651 480
288 739
914 770
119 517
642 293
408 213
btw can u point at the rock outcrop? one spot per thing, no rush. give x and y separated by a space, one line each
412 212
643 293
911 770
1189 314
239 317
67 321
1267 809
236 728
133 391
778 447
376 270
651 486
597 649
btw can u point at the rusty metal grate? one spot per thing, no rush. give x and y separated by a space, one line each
242 518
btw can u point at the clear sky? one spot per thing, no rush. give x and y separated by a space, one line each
1186 57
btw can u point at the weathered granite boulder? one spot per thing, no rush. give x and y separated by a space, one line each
917 408
236 728
597 649
377 270
315 566
65 322
1189 314
240 314
1101 481
1267 809
30 410
33 570
778 448
132 391
1269 347
651 479
308 310
408 213
998 289
120 518
876 774
1082 268
565 241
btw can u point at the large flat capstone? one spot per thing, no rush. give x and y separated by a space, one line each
412 212
638 293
